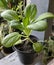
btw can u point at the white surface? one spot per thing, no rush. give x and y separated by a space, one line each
13 59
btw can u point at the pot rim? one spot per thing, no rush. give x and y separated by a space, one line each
14 47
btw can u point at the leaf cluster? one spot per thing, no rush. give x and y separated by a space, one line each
29 23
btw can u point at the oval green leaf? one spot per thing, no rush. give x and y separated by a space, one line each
38 26
37 47
11 39
30 11
16 25
9 15
45 16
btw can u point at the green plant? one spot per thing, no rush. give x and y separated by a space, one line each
29 23
4 25
48 50
9 4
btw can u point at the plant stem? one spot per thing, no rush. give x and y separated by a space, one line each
24 36
1 48
27 38
30 40
24 40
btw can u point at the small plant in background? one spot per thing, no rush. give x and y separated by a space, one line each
17 6
4 25
4 30
9 4
48 50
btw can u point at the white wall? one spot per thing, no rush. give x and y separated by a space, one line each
42 6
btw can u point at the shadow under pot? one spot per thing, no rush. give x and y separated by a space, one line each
25 51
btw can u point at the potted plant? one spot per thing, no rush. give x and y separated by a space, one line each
26 45
48 50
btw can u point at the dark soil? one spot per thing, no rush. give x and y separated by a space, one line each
7 50
26 46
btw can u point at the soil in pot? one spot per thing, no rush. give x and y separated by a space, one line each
7 50
25 51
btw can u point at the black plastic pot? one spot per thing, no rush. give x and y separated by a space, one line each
26 58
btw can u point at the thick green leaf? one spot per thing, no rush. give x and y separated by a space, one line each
9 15
38 26
30 11
37 47
11 39
15 24
45 16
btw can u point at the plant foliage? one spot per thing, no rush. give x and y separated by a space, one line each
29 23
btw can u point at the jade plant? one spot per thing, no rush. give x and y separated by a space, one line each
29 23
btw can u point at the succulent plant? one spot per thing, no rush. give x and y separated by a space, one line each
29 23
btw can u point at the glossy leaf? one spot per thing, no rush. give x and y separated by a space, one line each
15 24
11 39
30 11
38 26
37 47
9 15
45 16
